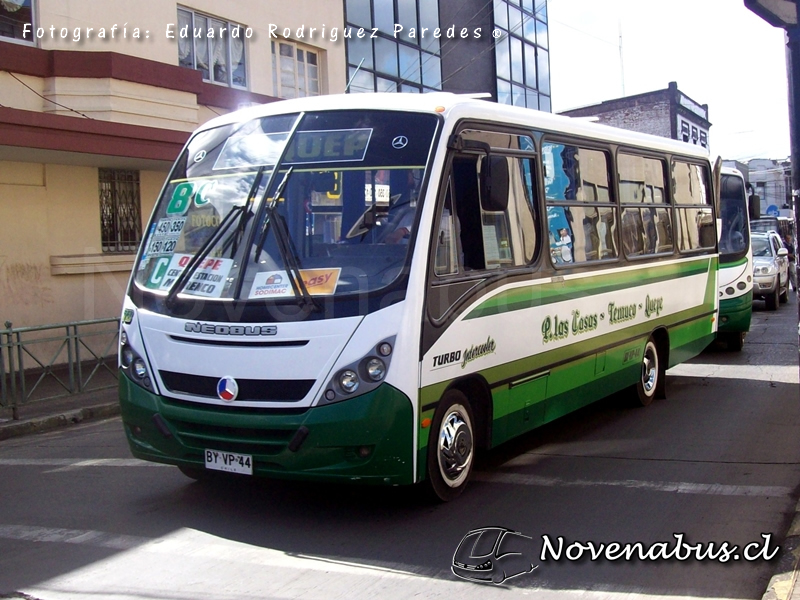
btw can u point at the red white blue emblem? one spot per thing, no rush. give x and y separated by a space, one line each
227 389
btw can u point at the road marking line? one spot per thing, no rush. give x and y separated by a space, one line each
772 373
77 462
32 533
677 487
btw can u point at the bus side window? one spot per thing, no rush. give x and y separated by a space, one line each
694 221
447 238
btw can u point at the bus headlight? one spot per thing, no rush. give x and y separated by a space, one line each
348 381
127 357
375 368
360 376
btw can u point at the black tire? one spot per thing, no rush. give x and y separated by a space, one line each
451 447
772 299
651 377
734 341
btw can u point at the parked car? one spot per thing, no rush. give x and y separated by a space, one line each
770 269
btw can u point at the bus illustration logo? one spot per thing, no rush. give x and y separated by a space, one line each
492 554
227 389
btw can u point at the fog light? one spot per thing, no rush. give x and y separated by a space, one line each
138 368
364 451
376 369
348 381
123 338
730 291
741 285
385 349
330 395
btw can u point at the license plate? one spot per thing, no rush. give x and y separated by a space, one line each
230 462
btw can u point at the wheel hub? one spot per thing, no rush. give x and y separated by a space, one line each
455 446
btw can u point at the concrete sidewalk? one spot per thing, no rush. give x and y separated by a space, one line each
46 415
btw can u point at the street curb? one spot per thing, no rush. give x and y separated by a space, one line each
49 423
783 583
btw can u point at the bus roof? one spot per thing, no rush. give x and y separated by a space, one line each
461 106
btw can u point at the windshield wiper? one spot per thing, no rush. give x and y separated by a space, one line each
201 255
245 214
283 239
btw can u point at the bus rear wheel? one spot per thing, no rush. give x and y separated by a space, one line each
451 447
651 375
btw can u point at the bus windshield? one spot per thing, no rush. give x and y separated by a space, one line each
310 204
734 231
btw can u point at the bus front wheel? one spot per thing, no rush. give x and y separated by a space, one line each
651 375
451 447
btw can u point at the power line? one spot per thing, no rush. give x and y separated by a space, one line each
48 99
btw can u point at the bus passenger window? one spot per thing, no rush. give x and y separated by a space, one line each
581 216
694 217
646 214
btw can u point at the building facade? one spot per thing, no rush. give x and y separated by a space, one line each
669 113
499 47
772 181
96 101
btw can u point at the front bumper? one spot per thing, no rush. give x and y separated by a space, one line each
735 313
764 285
175 432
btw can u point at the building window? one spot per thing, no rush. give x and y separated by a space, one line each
120 210
405 63
521 54
214 47
14 14
295 70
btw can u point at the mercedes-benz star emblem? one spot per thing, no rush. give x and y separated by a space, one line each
199 156
399 142
227 389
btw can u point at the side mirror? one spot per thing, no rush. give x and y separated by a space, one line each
782 252
494 184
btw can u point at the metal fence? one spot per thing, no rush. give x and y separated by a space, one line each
51 361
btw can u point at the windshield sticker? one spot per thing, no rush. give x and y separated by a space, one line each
181 199
382 194
253 150
208 279
164 236
334 145
276 284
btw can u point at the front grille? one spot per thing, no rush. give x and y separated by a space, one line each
254 390
242 440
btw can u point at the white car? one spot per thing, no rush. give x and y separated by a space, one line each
770 269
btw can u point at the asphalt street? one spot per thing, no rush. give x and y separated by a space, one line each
717 461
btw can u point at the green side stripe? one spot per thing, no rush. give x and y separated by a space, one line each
541 295
634 334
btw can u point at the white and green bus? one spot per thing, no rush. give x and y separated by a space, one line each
735 261
373 287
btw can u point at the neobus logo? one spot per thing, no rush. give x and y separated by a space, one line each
230 329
